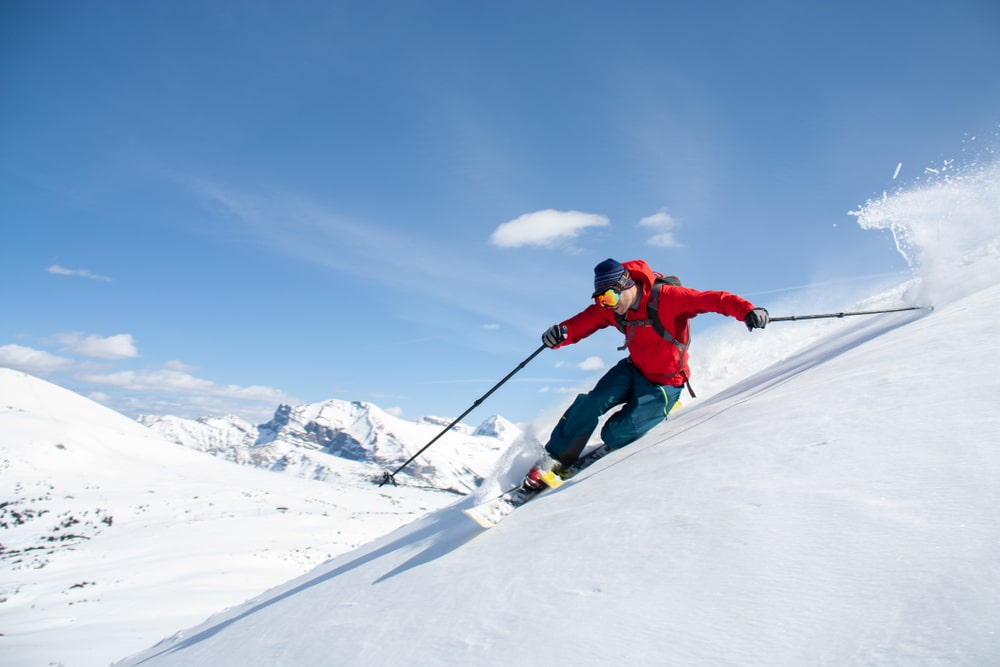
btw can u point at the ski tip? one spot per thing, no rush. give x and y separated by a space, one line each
478 518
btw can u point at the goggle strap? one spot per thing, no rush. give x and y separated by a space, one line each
619 286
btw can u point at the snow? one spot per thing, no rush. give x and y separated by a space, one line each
830 500
821 512
114 537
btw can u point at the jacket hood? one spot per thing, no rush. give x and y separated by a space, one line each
640 272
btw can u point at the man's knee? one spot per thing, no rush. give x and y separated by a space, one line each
634 421
616 439
617 433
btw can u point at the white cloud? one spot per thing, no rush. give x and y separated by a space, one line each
100 397
491 327
172 389
82 273
544 228
165 380
591 364
180 366
170 381
119 346
35 362
663 226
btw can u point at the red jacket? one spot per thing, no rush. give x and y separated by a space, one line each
659 360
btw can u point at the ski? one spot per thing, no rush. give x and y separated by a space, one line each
491 512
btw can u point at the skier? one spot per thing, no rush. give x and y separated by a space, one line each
653 313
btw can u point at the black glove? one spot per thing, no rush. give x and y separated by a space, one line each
757 319
554 335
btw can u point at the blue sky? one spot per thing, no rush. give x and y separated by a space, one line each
215 207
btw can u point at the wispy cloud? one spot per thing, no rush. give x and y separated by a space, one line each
310 230
298 227
35 362
168 380
172 389
119 346
545 228
663 226
80 273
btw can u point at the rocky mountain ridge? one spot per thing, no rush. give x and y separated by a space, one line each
339 441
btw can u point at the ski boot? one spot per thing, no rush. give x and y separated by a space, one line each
542 474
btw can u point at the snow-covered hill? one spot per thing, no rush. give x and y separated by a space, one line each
348 442
840 508
113 536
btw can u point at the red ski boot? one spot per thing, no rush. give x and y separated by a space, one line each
535 479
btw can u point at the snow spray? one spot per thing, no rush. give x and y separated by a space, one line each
947 227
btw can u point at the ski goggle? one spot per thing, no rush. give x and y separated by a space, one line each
608 299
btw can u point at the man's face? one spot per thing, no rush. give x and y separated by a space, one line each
627 299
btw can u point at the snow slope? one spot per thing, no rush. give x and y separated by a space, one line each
113 537
837 507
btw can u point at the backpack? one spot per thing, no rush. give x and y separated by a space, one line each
654 321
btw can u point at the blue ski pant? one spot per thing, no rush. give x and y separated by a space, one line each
644 406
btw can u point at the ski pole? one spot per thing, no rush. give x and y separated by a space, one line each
391 476
792 318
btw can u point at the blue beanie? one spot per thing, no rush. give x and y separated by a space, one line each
609 274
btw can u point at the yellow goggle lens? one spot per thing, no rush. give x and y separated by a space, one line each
607 299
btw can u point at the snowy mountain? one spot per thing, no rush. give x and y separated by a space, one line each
348 442
104 519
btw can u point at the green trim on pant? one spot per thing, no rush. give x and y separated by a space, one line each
644 406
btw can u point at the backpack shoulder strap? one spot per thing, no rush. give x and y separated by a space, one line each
652 310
